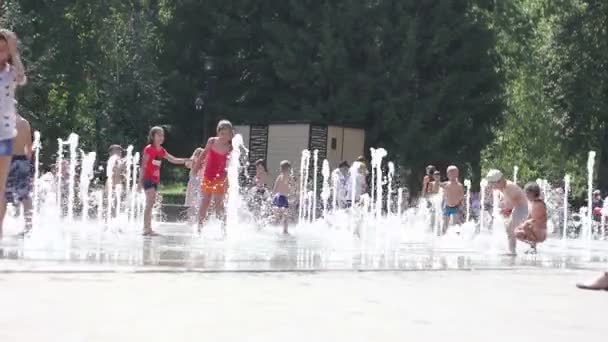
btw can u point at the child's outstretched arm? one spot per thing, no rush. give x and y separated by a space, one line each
174 160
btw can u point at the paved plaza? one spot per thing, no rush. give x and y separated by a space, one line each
262 286
531 305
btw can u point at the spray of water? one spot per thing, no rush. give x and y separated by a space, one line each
325 192
590 169
389 195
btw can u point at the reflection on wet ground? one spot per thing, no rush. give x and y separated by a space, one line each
179 249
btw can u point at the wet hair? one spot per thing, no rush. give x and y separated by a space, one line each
261 162
533 188
430 170
285 165
153 131
225 124
344 163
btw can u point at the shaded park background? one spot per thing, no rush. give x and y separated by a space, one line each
479 83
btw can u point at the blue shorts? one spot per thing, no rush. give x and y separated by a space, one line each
280 201
450 211
6 147
19 182
149 184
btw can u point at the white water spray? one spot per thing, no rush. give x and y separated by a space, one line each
36 146
112 161
86 175
325 192
467 184
590 167
400 202
234 165
134 185
304 167
389 197
59 175
515 171
315 159
73 146
482 198
566 194
377 156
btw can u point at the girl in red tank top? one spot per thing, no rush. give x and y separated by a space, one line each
149 175
214 183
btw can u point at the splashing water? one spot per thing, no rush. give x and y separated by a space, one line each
234 166
304 167
389 196
366 218
133 195
483 186
315 159
110 188
377 157
467 184
73 146
86 176
565 208
325 192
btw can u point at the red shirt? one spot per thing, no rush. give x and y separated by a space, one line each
215 165
155 159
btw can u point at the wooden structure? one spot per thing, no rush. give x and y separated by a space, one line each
285 141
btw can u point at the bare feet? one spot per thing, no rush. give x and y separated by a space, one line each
600 283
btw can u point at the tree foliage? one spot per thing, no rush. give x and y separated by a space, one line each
498 83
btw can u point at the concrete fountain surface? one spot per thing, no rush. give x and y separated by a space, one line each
509 305
87 285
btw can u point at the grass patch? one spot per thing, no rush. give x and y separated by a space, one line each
173 189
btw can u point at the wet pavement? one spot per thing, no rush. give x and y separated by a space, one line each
180 249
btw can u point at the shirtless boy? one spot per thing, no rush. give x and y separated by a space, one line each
516 202
453 192
19 182
281 192
534 229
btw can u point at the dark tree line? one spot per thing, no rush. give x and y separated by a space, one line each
467 82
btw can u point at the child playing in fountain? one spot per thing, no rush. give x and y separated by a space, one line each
119 174
12 74
19 183
453 197
534 229
517 205
214 184
260 183
261 177
282 189
193 191
149 176
435 183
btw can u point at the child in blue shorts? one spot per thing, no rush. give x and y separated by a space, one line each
281 190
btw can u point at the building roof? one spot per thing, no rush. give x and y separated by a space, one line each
298 122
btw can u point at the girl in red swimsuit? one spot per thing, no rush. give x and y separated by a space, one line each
214 183
149 175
